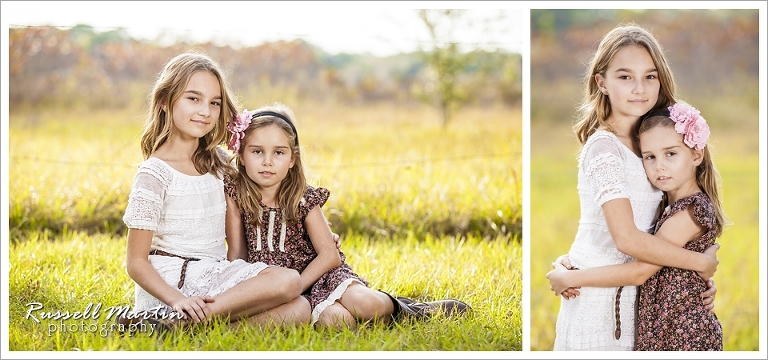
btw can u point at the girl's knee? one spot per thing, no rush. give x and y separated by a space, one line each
366 303
286 281
336 316
301 310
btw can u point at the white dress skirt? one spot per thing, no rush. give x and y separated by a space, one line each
607 170
187 215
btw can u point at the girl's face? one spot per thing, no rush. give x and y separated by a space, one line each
670 164
632 83
267 156
197 111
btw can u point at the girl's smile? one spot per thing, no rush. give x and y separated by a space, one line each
631 82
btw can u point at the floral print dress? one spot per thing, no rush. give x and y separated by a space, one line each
273 241
671 316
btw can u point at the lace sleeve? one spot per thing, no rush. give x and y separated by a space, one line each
605 170
146 199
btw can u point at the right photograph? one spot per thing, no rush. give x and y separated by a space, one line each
644 180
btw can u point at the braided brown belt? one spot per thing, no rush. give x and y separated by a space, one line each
617 333
183 266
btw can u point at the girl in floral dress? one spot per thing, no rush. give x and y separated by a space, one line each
275 217
677 161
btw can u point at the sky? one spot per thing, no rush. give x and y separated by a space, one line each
377 28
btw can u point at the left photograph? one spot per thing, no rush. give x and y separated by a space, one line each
263 185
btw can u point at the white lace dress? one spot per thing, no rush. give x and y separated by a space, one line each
607 170
187 215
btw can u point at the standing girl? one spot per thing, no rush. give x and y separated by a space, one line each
274 217
627 78
176 251
676 160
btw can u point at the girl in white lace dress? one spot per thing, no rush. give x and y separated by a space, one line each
627 78
176 251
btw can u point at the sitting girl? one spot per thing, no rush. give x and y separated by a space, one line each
274 217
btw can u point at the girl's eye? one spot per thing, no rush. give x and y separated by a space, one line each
649 157
193 98
651 77
279 152
671 153
624 77
216 103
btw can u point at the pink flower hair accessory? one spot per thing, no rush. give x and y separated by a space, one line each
690 124
237 127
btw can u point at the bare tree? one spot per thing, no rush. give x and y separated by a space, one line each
445 60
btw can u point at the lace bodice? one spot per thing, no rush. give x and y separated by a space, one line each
186 213
609 170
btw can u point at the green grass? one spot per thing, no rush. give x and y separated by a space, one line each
70 271
391 170
423 212
555 213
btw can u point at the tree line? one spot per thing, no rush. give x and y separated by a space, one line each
79 66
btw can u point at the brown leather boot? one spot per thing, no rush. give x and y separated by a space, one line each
420 310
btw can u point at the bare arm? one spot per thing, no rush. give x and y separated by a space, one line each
677 230
236 244
653 249
631 273
328 256
144 274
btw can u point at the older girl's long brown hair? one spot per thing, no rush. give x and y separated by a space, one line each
168 88
595 106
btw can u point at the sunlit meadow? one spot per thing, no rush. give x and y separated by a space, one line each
423 211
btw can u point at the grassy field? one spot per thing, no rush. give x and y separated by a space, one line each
423 211
555 213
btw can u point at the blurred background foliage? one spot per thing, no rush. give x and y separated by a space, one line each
80 67
713 55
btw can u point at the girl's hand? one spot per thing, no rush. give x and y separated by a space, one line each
712 253
194 308
557 283
565 261
708 296
335 237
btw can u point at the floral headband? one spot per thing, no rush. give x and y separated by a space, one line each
688 122
240 123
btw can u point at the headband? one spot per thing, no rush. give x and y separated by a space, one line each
688 122
241 122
